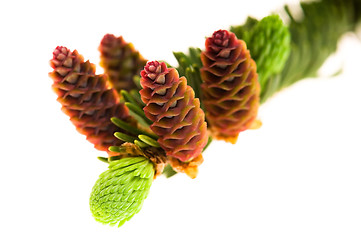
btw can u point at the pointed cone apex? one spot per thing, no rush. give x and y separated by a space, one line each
230 87
177 117
86 98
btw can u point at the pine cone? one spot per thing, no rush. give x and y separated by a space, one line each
177 117
120 191
230 88
120 61
86 98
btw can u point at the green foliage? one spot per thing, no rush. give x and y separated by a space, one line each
138 114
139 137
315 37
168 171
119 192
269 43
242 31
189 66
148 140
135 105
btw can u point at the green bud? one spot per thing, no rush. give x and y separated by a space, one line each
119 192
269 44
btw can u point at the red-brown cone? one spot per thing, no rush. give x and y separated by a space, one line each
230 86
120 61
177 117
86 98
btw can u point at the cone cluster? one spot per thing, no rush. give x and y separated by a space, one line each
171 133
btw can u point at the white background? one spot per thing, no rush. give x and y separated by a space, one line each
298 177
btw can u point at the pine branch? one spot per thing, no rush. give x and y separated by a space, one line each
315 37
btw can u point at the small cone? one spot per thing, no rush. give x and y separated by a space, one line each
230 87
86 98
177 117
120 61
119 192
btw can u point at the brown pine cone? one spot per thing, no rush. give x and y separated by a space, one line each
86 98
120 61
177 117
230 86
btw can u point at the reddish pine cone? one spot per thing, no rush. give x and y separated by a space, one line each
230 86
86 98
177 117
120 61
